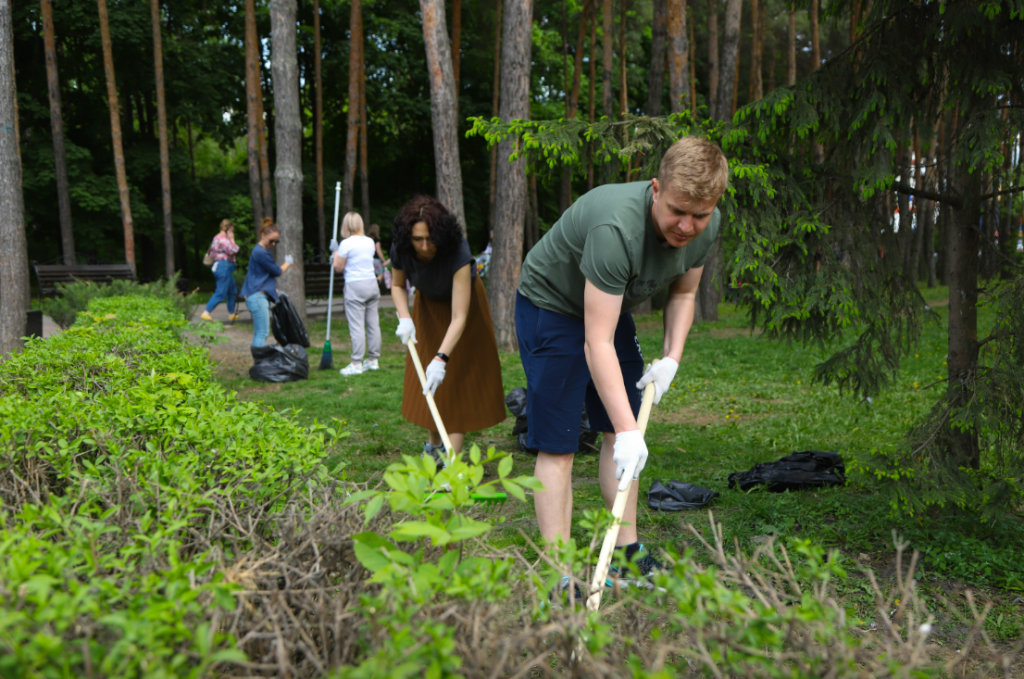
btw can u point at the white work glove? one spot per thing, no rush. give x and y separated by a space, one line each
333 247
661 373
406 330
213 269
630 457
435 376
288 259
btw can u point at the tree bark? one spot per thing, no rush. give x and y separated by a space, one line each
854 19
507 259
364 161
791 49
593 97
253 94
355 45
693 64
115 135
533 224
607 63
756 83
495 91
318 128
730 59
443 109
573 103
815 38
60 158
264 140
623 85
288 146
14 293
920 208
714 68
165 154
659 58
678 56
456 47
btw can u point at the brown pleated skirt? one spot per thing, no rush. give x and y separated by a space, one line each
471 397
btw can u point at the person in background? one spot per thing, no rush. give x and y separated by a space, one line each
379 263
223 251
354 257
260 287
450 324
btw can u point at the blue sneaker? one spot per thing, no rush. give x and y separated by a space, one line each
625 577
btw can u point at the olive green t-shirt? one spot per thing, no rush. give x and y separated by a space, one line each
607 237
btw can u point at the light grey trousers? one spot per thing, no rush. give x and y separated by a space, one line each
361 298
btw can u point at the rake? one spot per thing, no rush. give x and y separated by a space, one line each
327 358
618 508
497 498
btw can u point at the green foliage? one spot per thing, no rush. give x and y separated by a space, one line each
116 450
73 298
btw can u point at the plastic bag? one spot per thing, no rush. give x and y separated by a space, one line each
516 402
286 324
279 364
677 496
808 469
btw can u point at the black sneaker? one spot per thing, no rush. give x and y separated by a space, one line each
625 577
560 596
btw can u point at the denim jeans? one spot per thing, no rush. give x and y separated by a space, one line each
226 288
259 307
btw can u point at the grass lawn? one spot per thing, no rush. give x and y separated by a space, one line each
737 400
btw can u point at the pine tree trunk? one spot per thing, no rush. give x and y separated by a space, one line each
730 59
60 158
533 224
264 141
565 199
920 209
659 57
364 161
693 64
507 259
456 47
288 147
815 39
714 68
253 93
607 96
14 290
756 83
495 91
355 44
318 128
165 153
678 56
854 18
115 135
791 49
623 86
593 95
443 109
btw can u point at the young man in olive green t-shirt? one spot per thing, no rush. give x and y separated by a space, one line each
615 247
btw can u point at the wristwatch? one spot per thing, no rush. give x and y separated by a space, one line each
443 357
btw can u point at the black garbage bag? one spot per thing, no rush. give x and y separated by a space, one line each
677 496
516 402
808 469
286 324
279 364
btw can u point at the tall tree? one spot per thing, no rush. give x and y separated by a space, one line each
507 259
355 58
757 21
573 102
693 62
264 139
815 38
253 97
165 154
714 68
678 55
606 61
593 97
443 110
364 172
60 158
318 127
14 264
791 49
659 55
456 47
288 147
115 135
730 58
495 90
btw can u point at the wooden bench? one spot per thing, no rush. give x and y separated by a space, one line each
317 278
49 275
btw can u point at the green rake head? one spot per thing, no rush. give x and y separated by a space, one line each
495 501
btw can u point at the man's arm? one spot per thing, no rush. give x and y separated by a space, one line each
601 312
679 308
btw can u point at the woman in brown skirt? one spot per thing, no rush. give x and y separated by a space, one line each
450 322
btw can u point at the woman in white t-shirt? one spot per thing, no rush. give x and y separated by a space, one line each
354 257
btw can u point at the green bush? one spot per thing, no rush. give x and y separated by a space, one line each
73 298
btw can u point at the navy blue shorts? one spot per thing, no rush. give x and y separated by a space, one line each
558 380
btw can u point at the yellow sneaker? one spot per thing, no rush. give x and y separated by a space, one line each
234 317
206 316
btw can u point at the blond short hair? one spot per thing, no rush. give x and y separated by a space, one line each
352 225
695 167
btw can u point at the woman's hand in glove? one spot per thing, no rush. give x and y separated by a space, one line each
406 330
435 375
630 455
289 260
333 247
661 373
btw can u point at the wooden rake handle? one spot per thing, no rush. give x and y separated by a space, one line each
608 547
449 450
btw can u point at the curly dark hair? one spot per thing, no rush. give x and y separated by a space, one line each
445 232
